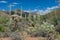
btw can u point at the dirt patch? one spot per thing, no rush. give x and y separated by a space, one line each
35 38
6 38
28 37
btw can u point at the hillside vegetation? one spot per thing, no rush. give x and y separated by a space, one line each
35 25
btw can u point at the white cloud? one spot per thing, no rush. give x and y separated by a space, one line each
11 5
51 8
42 12
3 9
59 4
30 10
3 1
26 11
48 9
15 3
34 10
54 7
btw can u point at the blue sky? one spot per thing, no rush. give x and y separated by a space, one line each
29 4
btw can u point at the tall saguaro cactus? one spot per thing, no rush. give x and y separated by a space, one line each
29 16
21 11
10 14
10 10
38 17
16 12
25 16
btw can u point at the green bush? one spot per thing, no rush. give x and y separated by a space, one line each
2 28
42 30
3 23
4 19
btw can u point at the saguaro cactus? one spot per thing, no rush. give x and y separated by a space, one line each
21 11
29 16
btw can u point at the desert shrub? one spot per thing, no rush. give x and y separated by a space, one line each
4 23
16 35
4 19
42 30
54 21
3 28
57 27
58 36
2 34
